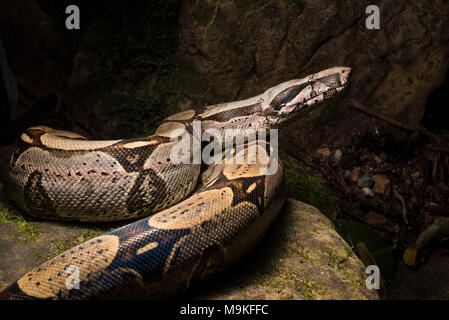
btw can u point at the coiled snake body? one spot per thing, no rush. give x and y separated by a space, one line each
60 175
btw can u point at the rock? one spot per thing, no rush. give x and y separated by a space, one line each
378 160
241 47
337 155
381 184
383 156
323 152
404 188
428 219
365 181
355 174
301 257
38 53
367 192
429 282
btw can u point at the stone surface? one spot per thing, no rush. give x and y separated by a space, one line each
301 257
429 282
367 192
323 152
365 181
381 184
37 52
337 155
244 47
355 174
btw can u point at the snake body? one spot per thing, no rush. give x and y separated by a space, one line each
197 219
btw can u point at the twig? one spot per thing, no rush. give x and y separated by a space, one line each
357 105
446 164
398 196
326 171
437 148
436 156
338 177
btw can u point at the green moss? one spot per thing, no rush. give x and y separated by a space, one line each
337 263
58 247
302 251
326 225
349 251
335 259
11 216
54 248
307 290
304 187
284 276
8 214
278 282
39 256
310 289
87 235
287 296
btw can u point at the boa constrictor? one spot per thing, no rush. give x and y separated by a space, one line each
61 175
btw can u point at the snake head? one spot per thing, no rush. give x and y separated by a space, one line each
289 99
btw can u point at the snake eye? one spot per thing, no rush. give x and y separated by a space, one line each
286 96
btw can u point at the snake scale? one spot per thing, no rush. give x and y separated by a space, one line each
196 218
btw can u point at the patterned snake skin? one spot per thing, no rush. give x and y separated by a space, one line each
180 239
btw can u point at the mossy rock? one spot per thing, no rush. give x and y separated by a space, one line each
301 257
